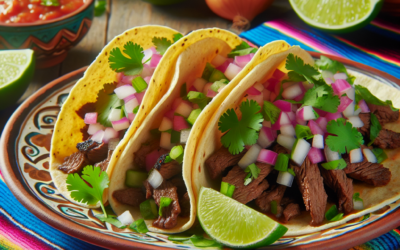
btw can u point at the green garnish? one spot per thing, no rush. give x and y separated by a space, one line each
112 220
375 128
148 209
208 69
162 44
175 136
139 84
100 7
136 109
167 159
131 65
243 132
198 98
322 97
139 226
356 197
227 189
324 63
253 172
303 132
164 202
364 93
308 72
291 171
50 3
242 49
82 192
336 164
200 241
217 75
177 36
176 153
274 207
282 162
379 154
193 116
219 84
333 214
270 112
346 137
106 101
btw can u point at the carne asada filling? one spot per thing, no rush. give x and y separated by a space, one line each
220 160
169 217
384 113
275 193
130 196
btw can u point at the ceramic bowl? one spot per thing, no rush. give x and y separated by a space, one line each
51 39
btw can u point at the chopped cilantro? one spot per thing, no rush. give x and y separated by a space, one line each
379 154
82 192
321 96
364 93
162 44
375 128
136 109
139 226
242 49
112 220
164 202
243 132
303 132
227 189
50 3
106 101
253 172
167 159
291 171
344 138
131 65
297 65
274 207
325 63
219 84
336 164
282 162
177 36
356 197
294 77
333 214
201 242
198 98
270 112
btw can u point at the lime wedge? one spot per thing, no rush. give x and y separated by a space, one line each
17 68
337 16
233 224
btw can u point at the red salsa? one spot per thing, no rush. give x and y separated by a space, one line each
29 11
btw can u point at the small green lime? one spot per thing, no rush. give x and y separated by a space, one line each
338 16
17 68
234 224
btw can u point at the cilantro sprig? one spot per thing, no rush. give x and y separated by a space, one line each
242 49
321 97
301 70
270 112
162 44
374 129
130 64
82 192
106 101
253 172
343 136
241 132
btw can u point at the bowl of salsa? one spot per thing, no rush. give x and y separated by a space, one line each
49 27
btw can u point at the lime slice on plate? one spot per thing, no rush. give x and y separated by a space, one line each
337 16
17 68
233 224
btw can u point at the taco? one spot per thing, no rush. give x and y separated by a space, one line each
317 151
103 106
151 179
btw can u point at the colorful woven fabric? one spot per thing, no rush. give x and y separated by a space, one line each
19 229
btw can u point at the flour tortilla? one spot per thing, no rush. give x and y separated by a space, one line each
374 197
200 47
67 131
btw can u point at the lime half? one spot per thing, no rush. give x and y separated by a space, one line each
16 72
233 224
337 16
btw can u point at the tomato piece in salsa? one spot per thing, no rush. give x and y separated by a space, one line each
29 11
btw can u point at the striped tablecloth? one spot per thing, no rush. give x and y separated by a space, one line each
377 45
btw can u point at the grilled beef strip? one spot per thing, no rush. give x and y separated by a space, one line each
221 160
245 194
170 169
275 193
178 182
184 202
144 150
366 119
130 196
104 164
74 163
95 152
384 113
169 217
310 182
290 211
148 188
342 186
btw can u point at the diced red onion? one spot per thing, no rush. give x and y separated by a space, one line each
131 105
267 156
355 121
184 108
283 119
115 115
331 155
151 159
170 114
147 79
259 87
318 141
266 94
369 155
211 93
147 71
271 84
340 87
121 124
363 106
306 113
293 91
288 84
292 116
155 179
126 218
286 141
165 141
192 88
128 98
148 53
322 122
333 116
278 74
358 205
199 84
285 178
241 61
124 91
155 60
93 128
139 96
344 103
315 129
113 143
283 105
109 133
166 124
119 76
266 137
341 76
356 155
90 118
218 60
300 151
258 98
98 136
298 98
127 80
253 91
232 71
131 117
207 86
315 155
272 97
288 130
225 65
266 124
250 156
180 123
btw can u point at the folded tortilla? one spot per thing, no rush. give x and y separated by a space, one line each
374 197
67 130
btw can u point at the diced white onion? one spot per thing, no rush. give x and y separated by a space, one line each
98 136
340 76
184 135
288 129
349 111
124 91
126 218
331 155
300 151
292 92
327 75
184 109
165 141
147 55
318 141
218 60
165 125
357 112
358 205
115 115
356 121
284 119
351 93
369 155
199 84
93 128
258 86
231 71
131 105
155 178
113 143
285 178
356 155
250 156
109 133
286 141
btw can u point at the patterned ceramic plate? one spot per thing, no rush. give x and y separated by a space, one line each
25 166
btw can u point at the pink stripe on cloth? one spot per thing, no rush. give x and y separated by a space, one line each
18 236
386 25
300 36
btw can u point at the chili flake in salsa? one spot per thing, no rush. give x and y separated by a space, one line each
29 11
